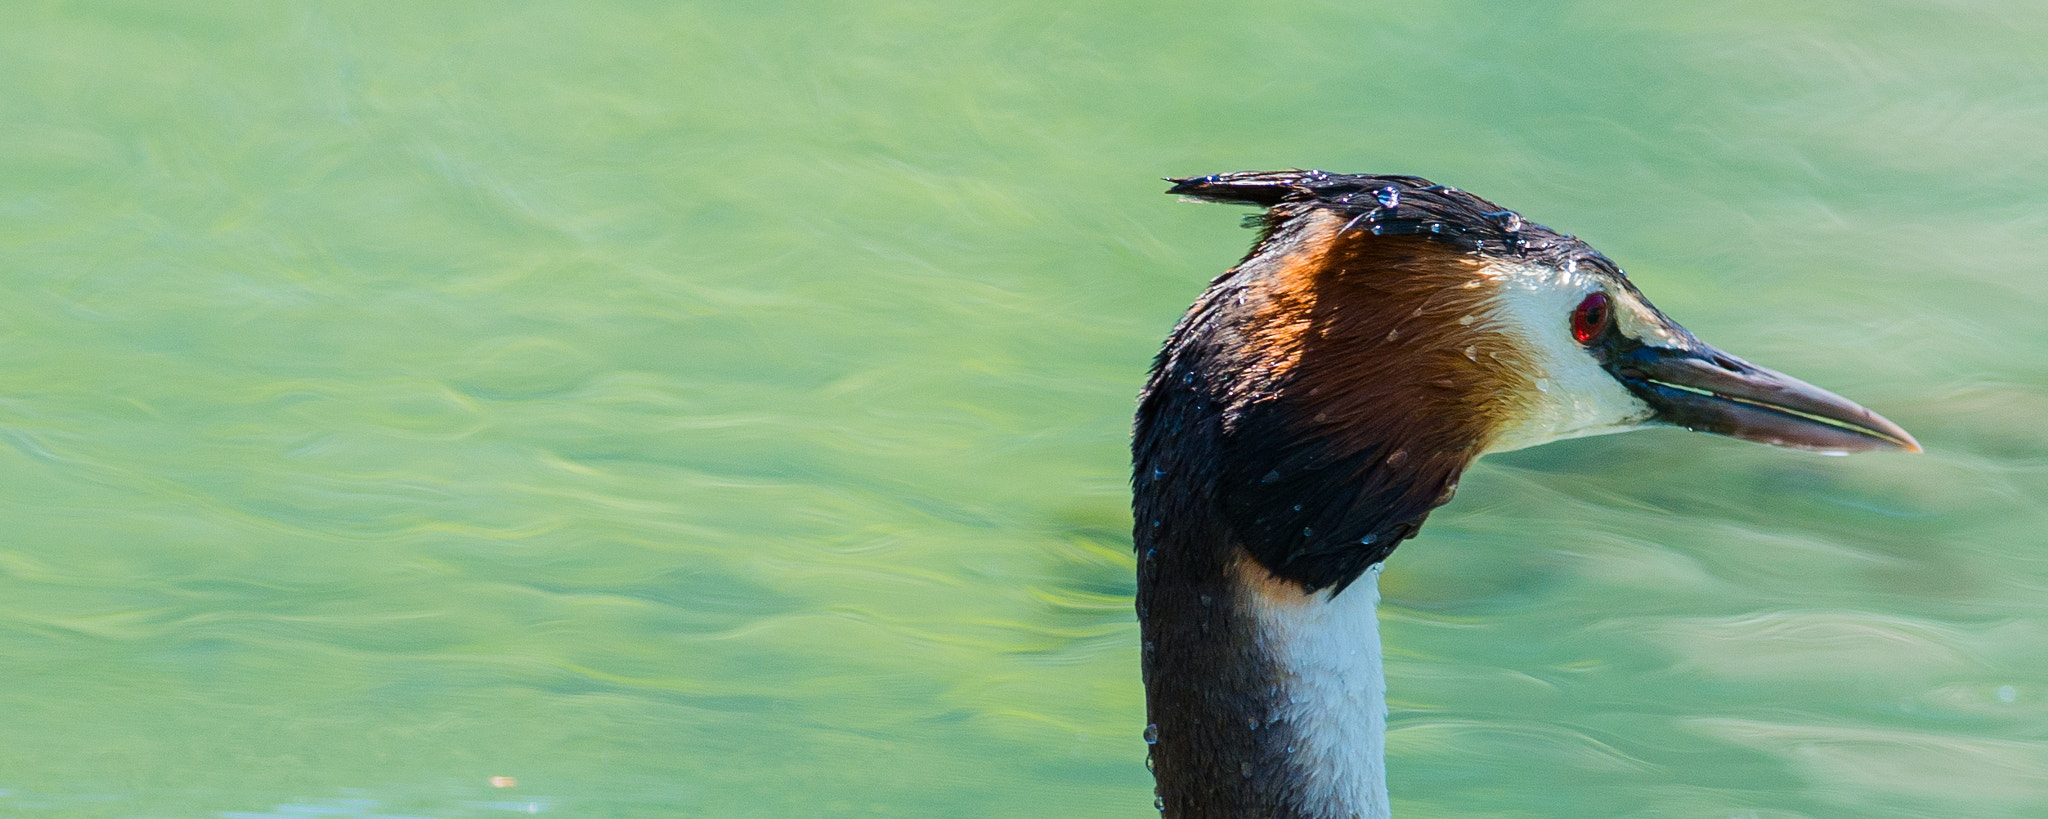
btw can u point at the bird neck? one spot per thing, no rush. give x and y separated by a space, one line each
1263 700
1282 448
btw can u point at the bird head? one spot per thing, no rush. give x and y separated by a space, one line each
1385 331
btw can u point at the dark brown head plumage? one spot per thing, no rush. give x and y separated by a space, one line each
1330 389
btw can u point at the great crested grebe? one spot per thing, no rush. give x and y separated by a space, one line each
1313 406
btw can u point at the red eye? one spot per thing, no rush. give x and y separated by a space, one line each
1591 319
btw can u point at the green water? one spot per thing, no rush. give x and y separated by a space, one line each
720 409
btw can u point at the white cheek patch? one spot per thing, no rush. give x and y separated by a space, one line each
1571 395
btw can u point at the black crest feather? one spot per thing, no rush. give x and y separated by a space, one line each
1396 205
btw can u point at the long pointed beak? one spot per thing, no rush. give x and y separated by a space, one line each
1707 390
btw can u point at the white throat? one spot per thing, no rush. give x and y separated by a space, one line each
1333 695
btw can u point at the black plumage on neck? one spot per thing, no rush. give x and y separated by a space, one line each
1310 409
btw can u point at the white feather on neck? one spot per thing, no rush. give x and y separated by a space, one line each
1333 695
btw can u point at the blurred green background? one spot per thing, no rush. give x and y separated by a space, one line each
720 409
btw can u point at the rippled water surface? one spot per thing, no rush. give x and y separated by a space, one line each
720 409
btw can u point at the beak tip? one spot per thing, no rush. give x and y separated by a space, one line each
1899 437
